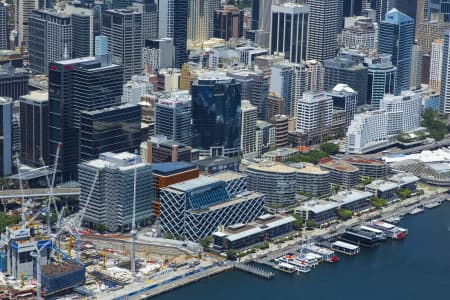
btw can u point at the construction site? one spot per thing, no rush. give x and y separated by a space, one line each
64 260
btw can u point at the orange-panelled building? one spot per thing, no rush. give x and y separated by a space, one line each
165 174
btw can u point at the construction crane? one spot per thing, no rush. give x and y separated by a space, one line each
133 226
22 201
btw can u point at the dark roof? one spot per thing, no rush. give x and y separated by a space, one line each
215 161
170 168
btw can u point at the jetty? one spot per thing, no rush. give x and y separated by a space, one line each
259 272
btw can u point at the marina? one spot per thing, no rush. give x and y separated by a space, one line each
345 248
416 211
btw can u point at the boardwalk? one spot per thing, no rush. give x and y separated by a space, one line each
259 272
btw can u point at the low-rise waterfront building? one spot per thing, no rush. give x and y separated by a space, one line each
265 228
405 181
312 180
383 189
342 174
369 168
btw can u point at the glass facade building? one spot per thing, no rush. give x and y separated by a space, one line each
396 37
216 115
115 129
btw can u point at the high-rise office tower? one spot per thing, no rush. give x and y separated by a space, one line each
255 15
416 67
123 28
254 87
50 39
428 32
345 99
112 129
86 25
77 85
173 117
343 70
352 8
173 23
149 11
201 19
324 26
444 100
111 203
396 37
381 8
23 11
34 128
248 127
6 136
216 115
228 22
436 64
13 81
4 36
381 78
289 31
118 4
282 84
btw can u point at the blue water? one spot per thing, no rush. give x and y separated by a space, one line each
415 268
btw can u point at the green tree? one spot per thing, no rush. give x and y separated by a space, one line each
344 214
231 254
420 192
435 127
310 223
206 241
366 181
7 220
101 228
297 225
329 148
404 193
378 202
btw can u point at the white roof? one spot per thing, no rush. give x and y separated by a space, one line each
345 245
427 156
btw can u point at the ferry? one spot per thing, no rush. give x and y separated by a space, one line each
394 220
391 231
416 211
345 248
326 254
433 204
362 237
300 265
285 267
369 229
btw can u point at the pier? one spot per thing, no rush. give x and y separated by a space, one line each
259 272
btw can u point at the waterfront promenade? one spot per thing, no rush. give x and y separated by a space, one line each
177 279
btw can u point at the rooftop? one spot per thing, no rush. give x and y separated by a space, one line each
340 165
404 178
318 206
235 200
382 185
366 161
215 161
36 96
171 168
227 175
311 169
272 168
192 184
350 196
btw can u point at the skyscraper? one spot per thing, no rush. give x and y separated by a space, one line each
149 11
50 39
444 100
23 11
201 19
216 115
228 22
324 26
289 31
76 85
315 114
13 81
123 28
381 8
173 23
281 83
436 64
416 67
111 204
346 99
34 128
3 26
343 70
248 127
381 78
396 37
5 136
112 129
173 117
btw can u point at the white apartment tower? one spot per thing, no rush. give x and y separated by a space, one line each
404 111
248 127
444 100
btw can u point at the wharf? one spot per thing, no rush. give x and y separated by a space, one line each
259 272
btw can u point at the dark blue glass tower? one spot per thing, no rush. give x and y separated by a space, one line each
216 115
396 37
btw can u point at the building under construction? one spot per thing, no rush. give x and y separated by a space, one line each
57 278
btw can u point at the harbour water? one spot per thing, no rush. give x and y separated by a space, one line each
417 267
